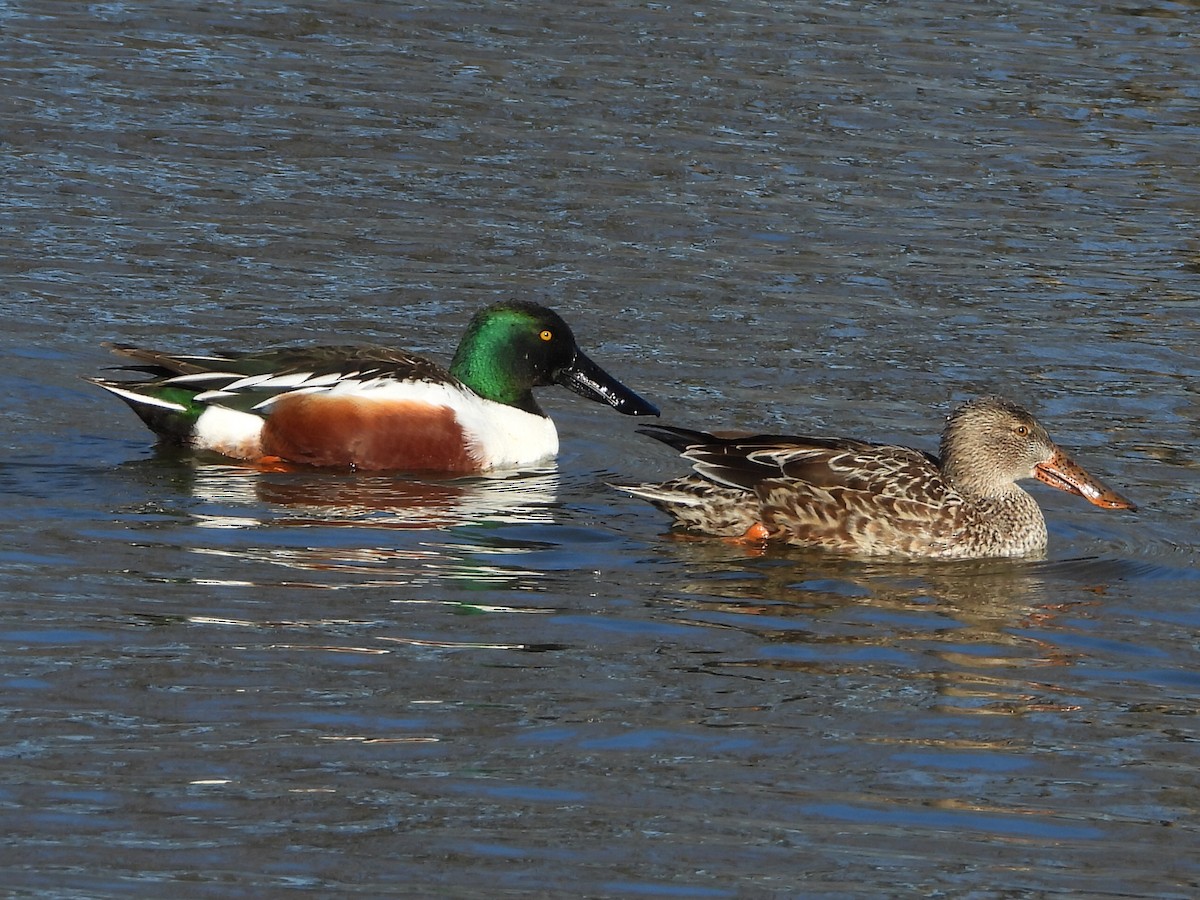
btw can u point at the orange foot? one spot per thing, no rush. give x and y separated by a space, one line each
755 534
753 539
273 464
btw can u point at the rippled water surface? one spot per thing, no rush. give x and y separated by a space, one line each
803 216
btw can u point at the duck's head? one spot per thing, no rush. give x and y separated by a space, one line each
509 348
991 443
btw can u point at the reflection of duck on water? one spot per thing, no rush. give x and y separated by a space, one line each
351 530
378 500
871 499
372 408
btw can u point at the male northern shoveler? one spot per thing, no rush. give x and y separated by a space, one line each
872 499
374 408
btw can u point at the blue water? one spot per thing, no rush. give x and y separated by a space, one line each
842 218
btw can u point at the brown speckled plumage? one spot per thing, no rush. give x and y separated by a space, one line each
873 499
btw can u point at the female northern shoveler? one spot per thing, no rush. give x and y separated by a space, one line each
871 499
374 408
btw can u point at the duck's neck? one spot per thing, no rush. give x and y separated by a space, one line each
977 481
1015 522
970 472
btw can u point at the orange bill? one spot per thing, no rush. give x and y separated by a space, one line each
1064 473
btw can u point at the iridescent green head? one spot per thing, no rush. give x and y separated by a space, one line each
510 348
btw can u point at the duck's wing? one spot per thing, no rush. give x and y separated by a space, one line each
285 361
836 493
745 460
251 380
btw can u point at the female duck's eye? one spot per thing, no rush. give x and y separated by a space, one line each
1023 430
546 335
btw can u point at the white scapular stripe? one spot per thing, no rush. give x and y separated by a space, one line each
144 399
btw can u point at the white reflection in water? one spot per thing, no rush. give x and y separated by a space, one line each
380 501
395 514
372 566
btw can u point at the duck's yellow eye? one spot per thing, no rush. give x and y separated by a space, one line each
1023 430
546 335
